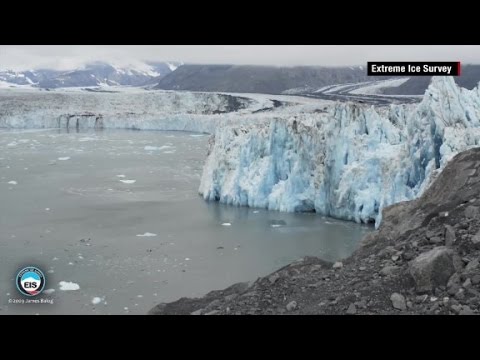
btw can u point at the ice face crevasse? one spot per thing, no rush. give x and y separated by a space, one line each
349 163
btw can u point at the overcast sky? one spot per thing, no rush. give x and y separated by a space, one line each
21 57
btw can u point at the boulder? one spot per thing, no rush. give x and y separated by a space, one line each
432 268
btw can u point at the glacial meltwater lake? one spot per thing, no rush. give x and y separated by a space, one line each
118 213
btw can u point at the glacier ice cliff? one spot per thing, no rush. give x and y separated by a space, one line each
348 163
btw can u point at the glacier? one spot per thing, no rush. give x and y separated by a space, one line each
281 152
348 163
138 109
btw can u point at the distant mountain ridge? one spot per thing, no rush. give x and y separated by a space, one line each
93 74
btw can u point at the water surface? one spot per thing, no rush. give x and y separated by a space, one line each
64 207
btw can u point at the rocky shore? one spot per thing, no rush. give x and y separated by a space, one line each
424 259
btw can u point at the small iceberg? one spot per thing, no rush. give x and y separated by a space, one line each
147 234
64 158
13 182
277 223
96 300
226 224
128 181
68 286
154 148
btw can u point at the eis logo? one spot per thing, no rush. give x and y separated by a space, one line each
30 281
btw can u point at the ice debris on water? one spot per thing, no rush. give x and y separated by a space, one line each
97 300
68 286
64 158
147 234
128 181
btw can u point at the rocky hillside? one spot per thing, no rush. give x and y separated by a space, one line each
424 259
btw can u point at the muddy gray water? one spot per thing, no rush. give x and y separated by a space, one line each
64 208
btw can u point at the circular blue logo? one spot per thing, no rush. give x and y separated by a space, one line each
30 281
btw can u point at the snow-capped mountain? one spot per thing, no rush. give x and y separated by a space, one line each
348 163
93 74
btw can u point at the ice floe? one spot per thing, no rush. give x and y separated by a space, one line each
147 234
97 300
68 286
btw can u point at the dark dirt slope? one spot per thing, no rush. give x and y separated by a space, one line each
424 259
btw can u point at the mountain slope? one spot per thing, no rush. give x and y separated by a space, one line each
417 85
258 79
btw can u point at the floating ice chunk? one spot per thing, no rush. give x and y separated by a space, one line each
187 259
12 144
197 135
121 176
155 148
68 286
169 152
50 271
70 263
97 300
47 209
128 181
226 224
256 212
49 291
64 158
147 234
84 139
139 296
275 225
13 182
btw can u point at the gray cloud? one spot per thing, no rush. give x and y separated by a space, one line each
21 57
